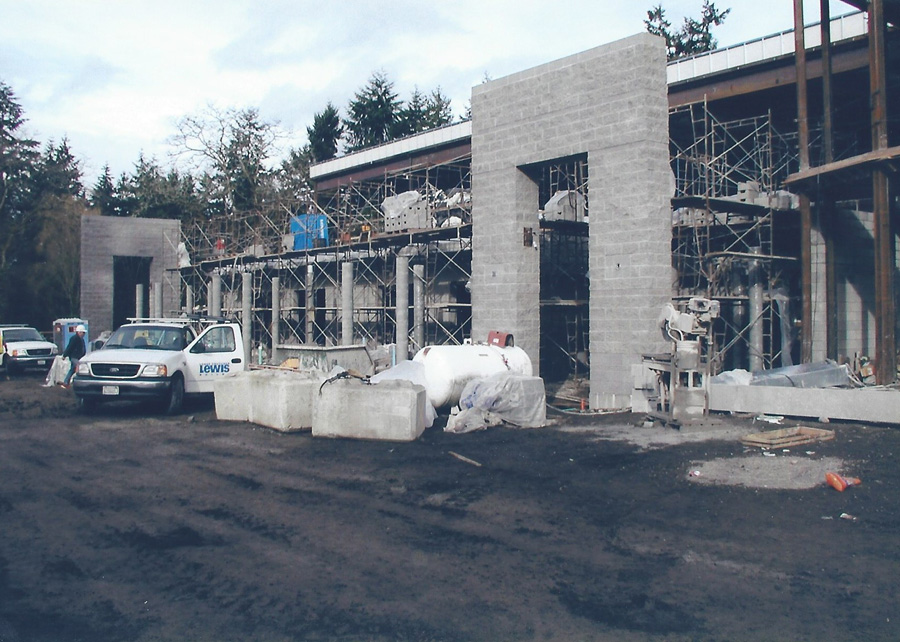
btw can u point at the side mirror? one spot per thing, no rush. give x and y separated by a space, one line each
199 348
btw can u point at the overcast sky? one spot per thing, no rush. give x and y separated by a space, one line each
115 76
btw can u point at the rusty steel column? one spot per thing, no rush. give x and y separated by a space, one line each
885 345
805 213
825 201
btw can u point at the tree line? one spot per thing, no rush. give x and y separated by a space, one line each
223 162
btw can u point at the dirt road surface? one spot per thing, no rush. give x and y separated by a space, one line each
128 526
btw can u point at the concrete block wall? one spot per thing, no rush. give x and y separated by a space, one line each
102 238
854 267
609 102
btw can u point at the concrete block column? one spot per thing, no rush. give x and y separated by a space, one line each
347 303
402 302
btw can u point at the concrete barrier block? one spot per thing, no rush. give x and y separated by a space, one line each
283 400
232 397
389 411
277 399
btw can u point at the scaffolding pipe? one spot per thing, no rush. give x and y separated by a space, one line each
419 305
276 318
755 292
247 312
346 303
139 301
402 296
310 305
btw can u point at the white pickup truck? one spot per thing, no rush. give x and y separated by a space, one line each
160 359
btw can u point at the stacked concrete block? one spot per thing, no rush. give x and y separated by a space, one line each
105 237
389 411
854 247
278 399
610 104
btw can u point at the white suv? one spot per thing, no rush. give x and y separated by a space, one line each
22 347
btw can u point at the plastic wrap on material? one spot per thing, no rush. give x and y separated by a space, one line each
413 372
448 368
516 399
823 374
738 377
58 371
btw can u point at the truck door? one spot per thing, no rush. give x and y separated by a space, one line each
214 354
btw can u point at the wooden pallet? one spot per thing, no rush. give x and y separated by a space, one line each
785 437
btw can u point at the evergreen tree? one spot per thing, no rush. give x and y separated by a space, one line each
695 36
18 162
373 114
324 134
103 196
439 110
413 116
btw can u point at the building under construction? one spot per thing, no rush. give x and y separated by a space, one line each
585 194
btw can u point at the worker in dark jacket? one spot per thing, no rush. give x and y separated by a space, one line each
75 349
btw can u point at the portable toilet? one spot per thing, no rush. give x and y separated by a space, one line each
63 329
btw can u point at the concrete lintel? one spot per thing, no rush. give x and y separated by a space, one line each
869 405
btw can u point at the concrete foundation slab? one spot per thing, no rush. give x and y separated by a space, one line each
389 411
877 405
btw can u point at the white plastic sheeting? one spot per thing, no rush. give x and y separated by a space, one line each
515 399
413 372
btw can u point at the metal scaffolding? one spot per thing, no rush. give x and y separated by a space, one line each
731 233
298 294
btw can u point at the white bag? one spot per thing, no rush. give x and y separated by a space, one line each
58 371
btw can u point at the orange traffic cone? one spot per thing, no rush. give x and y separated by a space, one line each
839 482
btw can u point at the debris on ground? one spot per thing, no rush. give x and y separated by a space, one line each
796 436
839 482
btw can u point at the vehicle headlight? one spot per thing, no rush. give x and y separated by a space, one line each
155 370
54 350
14 353
83 368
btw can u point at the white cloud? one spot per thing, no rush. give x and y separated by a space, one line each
114 77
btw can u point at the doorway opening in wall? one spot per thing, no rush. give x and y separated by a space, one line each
128 273
565 289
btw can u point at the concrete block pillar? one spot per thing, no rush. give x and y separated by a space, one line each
156 300
188 299
276 318
402 303
755 292
419 305
347 303
214 305
247 312
614 112
139 311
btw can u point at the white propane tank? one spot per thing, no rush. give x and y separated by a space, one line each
448 368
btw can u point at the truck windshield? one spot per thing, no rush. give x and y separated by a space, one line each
21 334
148 337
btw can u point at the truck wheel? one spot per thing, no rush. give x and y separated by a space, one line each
87 405
176 396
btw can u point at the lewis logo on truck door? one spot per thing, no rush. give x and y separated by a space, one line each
214 368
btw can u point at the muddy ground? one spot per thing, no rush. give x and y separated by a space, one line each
131 526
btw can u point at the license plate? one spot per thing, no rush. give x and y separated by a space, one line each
42 362
110 390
